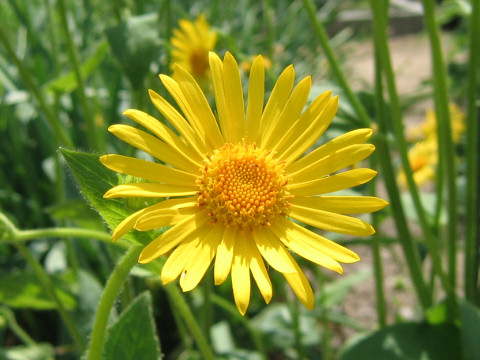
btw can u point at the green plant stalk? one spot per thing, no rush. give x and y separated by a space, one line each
112 289
377 259
25 235
295 312
48 287
197 332
16 329
324 320
252 331
167 18
269 23
334 64
380 34
408 245
439 78
52 119
92 136
472 189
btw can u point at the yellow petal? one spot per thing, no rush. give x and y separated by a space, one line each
216 68
290 113
178 259
309 243
234 97
164 133
341 204
300 285
201 258
306 248
241 274
148 190
259 271
358 136
147 170
332 163
178 122
333 183
223 260
278 98
331 221
191 226
298 127
272 250
256 93
153 146
164 217
199 106
127 224
312 133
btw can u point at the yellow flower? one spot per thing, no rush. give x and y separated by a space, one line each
236 181
423 159
191 45
428 128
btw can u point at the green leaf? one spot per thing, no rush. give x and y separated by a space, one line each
470 330
410 341
134 336
94 180
67 83
135 44
30 352
22 290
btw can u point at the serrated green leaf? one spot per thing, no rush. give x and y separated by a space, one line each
30 352
412 341
135 44
134 336
94 180
67 83
22 290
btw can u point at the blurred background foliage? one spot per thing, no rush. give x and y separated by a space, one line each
67 71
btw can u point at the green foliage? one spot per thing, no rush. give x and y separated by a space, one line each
409 341
135 44
133 336
29 352
22 290
94 180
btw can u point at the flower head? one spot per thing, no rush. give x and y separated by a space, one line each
423 159
239 185
191 45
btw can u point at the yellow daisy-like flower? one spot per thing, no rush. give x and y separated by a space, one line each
428 128
236 181
423 159
191 45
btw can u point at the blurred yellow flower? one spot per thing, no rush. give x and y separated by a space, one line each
428 127
423 159
191 45
246 65
239 185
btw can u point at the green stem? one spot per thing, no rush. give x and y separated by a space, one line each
439 79
326 333
25 235
47 285
295 312
52 118
253 332
197 332
334 64
380 33
472 195
16 329
93 140
112 289
269 23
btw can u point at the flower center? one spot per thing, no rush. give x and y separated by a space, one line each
199 61
243 186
